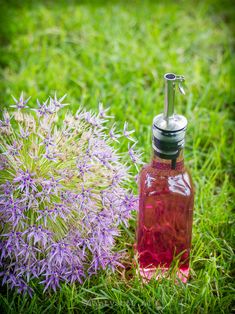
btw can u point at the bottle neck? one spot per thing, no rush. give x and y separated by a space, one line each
168 164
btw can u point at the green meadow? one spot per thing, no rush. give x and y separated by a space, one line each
117 52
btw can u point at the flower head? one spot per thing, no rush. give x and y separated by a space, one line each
63 194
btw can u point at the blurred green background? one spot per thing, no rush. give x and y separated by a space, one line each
117 52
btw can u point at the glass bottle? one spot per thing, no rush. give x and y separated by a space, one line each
166 195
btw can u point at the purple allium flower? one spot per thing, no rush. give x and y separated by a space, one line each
48 214
51 154
38 235
63 194
47 140
5 125
114 136
24 134
42 108
83 165
6 188
128 133
93 120
3 162
13 149
21 103
25 181
52 280
14 212
134 155
102 111
58 103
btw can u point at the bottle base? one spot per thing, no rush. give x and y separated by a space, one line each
158 273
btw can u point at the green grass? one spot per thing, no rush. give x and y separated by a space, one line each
117 52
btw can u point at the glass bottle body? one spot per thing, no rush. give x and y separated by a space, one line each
166 198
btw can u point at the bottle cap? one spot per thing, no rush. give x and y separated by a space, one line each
169 128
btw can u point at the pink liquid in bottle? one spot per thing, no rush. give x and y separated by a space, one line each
165 217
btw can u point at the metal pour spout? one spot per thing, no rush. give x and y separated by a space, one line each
171 80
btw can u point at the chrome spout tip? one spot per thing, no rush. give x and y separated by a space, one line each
170 76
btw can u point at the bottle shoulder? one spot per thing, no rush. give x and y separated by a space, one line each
176 181
149 168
